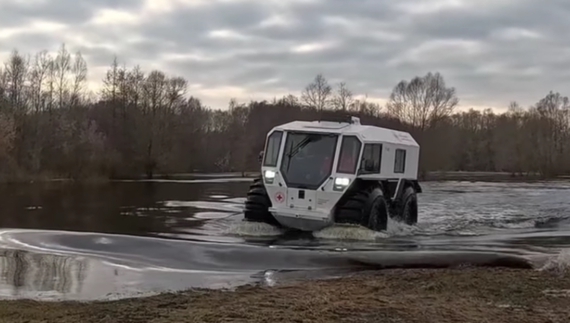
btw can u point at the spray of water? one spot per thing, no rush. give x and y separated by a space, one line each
245 228
559 264
335 232
356 232
348 232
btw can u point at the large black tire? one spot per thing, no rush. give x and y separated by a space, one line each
405 209
366 207
257 204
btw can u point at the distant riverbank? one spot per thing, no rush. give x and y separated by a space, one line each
430 176
487 177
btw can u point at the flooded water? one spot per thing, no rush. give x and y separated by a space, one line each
65 241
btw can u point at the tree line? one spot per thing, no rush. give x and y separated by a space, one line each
146 122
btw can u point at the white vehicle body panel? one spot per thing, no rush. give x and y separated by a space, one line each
316 209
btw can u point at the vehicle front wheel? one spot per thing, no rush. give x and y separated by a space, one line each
257 204
378 217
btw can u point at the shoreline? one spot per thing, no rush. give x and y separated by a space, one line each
394 295
436 176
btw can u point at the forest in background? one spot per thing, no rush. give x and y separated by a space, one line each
146 122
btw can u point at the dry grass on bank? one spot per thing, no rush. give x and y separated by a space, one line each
412 296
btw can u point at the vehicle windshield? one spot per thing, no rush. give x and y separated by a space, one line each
308 159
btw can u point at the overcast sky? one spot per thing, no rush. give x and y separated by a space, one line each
492 51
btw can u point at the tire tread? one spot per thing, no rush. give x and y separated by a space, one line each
256 208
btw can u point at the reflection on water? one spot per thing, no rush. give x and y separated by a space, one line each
22 272
126 208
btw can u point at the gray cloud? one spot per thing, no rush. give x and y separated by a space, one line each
63 11
491 51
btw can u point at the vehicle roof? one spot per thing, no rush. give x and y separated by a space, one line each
370 134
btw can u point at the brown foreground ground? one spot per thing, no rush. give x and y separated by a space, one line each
418 295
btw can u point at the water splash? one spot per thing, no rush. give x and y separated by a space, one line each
259 229
396 228
348 232
357 232
559 264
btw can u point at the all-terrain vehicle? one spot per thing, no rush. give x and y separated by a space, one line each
315 174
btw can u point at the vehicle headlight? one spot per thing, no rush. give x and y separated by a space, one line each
341 183
269 174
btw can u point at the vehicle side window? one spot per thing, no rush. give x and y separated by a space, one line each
349 152
400 161
272 149
371 158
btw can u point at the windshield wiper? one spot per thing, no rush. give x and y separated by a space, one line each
294 150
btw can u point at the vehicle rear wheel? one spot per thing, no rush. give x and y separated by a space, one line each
366 207
257 204
405 209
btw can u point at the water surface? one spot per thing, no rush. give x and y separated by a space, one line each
67 241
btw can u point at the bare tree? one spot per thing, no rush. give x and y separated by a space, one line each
37 130
62 68
3 84
552 131
111 82
343 98
134 86
16 72
51 79
7 135
38 76
176 89
317 93
150 122
423 101
79 71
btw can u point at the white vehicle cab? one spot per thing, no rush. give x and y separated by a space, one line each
318 173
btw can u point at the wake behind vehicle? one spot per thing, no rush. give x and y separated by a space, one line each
315 174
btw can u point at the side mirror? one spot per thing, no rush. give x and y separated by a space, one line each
260 157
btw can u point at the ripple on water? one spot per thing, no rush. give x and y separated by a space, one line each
230 207
218 196
210 215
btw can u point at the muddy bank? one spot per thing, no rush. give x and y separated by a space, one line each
417 295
